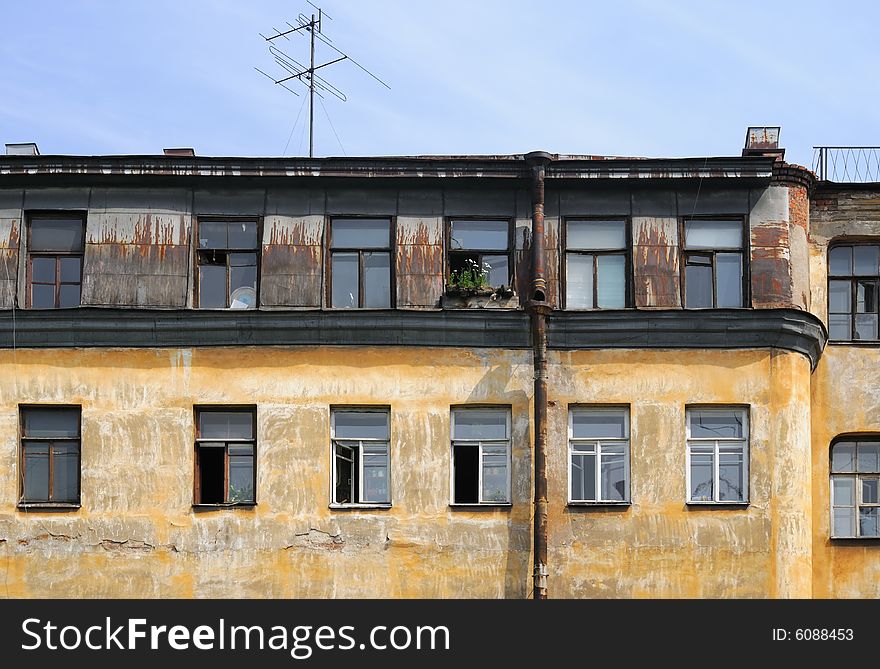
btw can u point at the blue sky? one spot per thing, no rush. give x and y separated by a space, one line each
630 77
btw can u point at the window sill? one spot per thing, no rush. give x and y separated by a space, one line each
216 507
860 343
732 505
481 505
855 538
50 506
589 504
357 507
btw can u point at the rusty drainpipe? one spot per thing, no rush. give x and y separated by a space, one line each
539 308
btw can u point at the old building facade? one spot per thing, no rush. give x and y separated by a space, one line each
243 377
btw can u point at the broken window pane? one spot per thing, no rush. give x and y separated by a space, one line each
377 280
698 281
56 235
709 423
729 280
344 268
844 523
868 521
596 235
713 234
495 474
840 261
611 281
360 233
579 281
226 424
36 472
480 235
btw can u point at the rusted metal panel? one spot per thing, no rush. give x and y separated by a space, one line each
289 231
291 290
420 231
419 259
771 279
419 290
656 262
10 231
141 228
769 233
161 291
115 259
8 274
104 290
112 274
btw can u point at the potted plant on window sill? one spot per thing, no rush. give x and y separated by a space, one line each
469 288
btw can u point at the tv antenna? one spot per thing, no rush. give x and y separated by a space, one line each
316 84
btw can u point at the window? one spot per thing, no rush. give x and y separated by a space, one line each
484 242
55 254
360 440
360 263
717 454
855 488
50 448
598 447
480 456
595 264
225 456
853 283
227 264
713 263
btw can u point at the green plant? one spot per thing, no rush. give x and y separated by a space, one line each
471 276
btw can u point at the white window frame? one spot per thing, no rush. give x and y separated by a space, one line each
360 464
718 444
597 443
479 443
857 477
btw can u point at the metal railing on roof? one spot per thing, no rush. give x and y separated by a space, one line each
847 164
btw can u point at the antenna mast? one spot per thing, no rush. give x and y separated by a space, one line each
306 75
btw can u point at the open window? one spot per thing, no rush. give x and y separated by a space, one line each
855 488
596 258
714 274
598 447
717 455
225 456
360 263
481 455
853 289
50 455
479 251
360 441
55 255
227 262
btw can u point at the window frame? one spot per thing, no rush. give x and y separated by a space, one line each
745 253
478 443
208 408
334 409
626 252
856 476
328 260
510 252
853 280
745 411
258 251
22 438
627 442
56 215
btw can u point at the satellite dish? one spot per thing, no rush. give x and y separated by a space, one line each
243 298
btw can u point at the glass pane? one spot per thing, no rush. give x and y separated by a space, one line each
377 280
713 234
480 235
869 456
70 269
242 259
702 472
839 293
212 235
494 474
868 525
730 477
579 281
869 491
844 523
499 274
598 235
43 270
242 234
843 457
376 474
715 423
598 423
68 295
729 280
698 284
241 478
583 478
345 278
866 297
866 326
360 425
843 491
242 277
212 286
226 424
56 235
50 422
480 424
840 261
65 472
42 297
611 282
36 472
364 233
839 326
865 260
613 478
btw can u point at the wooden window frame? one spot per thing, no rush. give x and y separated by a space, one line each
41 215
392 260
257 250
23 439
744 251
626 252
853 280
360 504
509 252
208 408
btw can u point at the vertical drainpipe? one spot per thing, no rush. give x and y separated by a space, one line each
539 308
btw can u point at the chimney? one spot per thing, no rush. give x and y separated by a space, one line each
763 141
22 149
180 152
